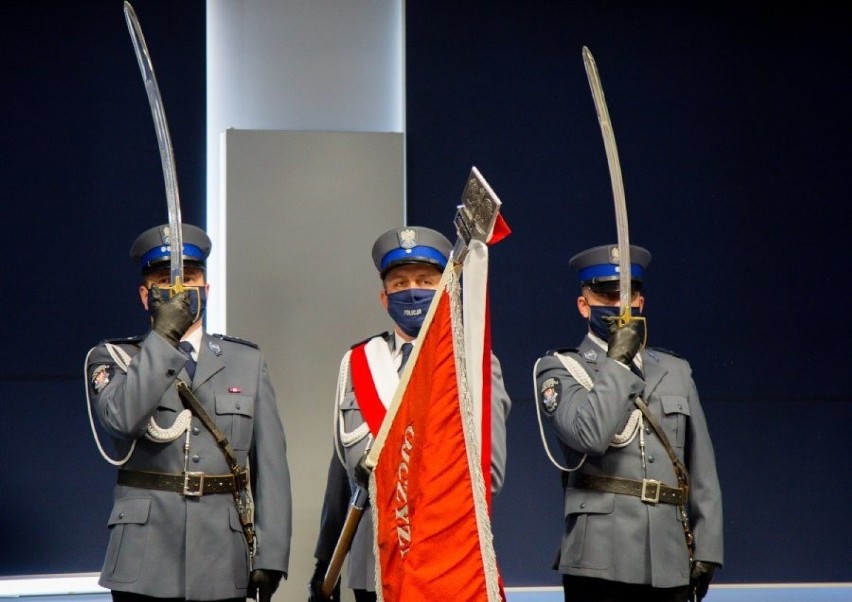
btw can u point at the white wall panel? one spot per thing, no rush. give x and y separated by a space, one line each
310 171
303 211
299 65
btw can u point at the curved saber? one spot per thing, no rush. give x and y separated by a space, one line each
143 57
624 275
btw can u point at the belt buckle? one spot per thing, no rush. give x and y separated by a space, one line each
190 492
650 491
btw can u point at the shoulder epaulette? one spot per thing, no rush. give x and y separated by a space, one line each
562 350
384 335
666 351
134 340
227 337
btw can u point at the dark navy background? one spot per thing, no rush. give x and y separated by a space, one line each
733 131
80 178
733 128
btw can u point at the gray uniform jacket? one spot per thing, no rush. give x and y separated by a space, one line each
338 489
618 537
163 543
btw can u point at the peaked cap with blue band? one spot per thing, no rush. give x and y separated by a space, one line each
411 244
598 269
152 250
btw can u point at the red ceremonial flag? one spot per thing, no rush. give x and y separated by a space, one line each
433 537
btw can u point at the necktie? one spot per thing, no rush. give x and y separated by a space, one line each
636 367
406 351
187 348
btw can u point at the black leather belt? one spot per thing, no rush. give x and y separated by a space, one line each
648 490
189 483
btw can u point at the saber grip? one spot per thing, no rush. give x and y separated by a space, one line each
625 341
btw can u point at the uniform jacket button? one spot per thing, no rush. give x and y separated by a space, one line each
196 458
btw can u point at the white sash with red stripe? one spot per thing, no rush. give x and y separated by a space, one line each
374 380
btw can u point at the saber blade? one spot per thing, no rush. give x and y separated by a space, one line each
624 274
143 57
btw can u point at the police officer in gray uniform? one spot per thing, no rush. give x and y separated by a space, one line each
175 529
630 521
410 262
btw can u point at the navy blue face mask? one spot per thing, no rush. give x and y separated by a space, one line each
197 299
601 315
408 308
